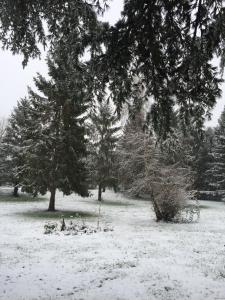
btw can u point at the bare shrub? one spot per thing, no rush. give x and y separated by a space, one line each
168 201
160 170
145 170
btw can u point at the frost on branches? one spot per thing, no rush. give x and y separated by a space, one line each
146 169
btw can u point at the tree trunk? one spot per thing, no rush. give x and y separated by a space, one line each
15 191
100 192
157 211
35 194
51 206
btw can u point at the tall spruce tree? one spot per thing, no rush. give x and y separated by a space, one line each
55 147
104 131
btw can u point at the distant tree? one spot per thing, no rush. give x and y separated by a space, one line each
131 155
104 131
216 171
17 131
202 160
217 165
3 123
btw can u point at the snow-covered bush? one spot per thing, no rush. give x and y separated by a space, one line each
147 167
172 203
168 201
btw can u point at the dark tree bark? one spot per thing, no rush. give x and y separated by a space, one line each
35 194
15 191
115 188
157 211
51 206
100 192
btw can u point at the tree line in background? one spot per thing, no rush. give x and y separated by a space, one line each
67 134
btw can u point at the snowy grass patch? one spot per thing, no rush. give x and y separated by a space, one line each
140 259
21 198
111 203
66 214
203 206
6 195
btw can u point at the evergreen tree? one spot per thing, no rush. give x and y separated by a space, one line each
12 150
216 172
217 166
131 152
23 24
2 156
168 46
202 160
54 144
3 123
102 158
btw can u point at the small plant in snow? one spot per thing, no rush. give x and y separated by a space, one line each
73 228
50 228
63 225
189 214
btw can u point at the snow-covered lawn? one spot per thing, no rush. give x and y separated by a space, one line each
140 259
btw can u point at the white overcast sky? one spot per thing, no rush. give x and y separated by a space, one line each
14 79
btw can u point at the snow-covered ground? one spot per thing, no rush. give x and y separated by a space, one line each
140 259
